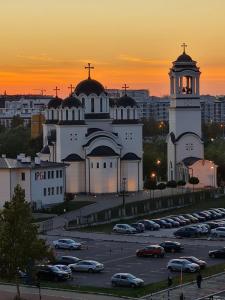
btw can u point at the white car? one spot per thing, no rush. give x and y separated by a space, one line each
124 228
66 269
182 264
90 266
66 244
219 232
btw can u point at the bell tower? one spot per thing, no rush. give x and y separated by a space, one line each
185 134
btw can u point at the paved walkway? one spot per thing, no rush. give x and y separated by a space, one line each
8 292
210 286
103 202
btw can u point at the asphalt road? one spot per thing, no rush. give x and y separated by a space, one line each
120 257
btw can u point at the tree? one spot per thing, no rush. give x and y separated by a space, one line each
20 246
193 180
16 121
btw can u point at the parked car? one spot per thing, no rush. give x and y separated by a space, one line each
202 264
51 273
213 224
126 279
182 264
180 222
188 221
201 228
173 222
205 215
66 244
218 232
124 228
200 218
191 218
138 226
219 253
162 223
216 215
90 266
151 250
66 269
66 260
170 246
150 225
186 232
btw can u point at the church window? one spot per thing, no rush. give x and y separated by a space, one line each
134 114
92 165
104 165
78 114
52 114
97 165
73 115
83 102
22 176
116 114
128 113
121 114
61 115
66 115
57 114
110 164
100 104
92 105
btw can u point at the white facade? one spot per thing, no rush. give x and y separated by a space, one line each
43 182
99 137
185 148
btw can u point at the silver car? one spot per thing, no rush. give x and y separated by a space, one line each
182 264
124 228
91 266
219 232
66 269
126 279
66 244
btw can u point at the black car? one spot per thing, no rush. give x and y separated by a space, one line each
138 226
186 232
51 273
162 223
175 218
172 246
213 224
171 221
150 225
220 253
66 260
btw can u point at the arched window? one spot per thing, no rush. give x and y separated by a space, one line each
73 115
116 114
97 165
92 105
121 114
100 104
104 165
128 113
83 102
52 114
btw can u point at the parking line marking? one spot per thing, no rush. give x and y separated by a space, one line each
118 259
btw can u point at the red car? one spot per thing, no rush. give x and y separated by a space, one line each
151 250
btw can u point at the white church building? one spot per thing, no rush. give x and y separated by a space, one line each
185 146
100 138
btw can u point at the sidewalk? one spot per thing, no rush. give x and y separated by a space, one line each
7 292
210 285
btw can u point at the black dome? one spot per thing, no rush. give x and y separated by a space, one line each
184 58
88 87
55 102
126 101
71 102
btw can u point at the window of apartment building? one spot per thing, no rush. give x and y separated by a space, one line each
53 190
61 189
57 190
45 192
52 174
22 176
92 165
61 173
57 173
110 164
49 191
97 165
49 174
44 175
104 165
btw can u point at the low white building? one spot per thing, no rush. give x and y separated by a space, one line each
43 182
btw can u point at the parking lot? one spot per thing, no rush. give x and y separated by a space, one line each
121 257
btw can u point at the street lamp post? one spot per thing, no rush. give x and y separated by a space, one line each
158 162
123 191
153 177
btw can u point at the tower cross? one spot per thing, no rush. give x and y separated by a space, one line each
56 91
89 70
71 87
184 46
125 87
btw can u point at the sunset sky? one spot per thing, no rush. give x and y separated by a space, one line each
45 43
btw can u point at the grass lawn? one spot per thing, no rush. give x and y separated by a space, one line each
107 228
140 292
